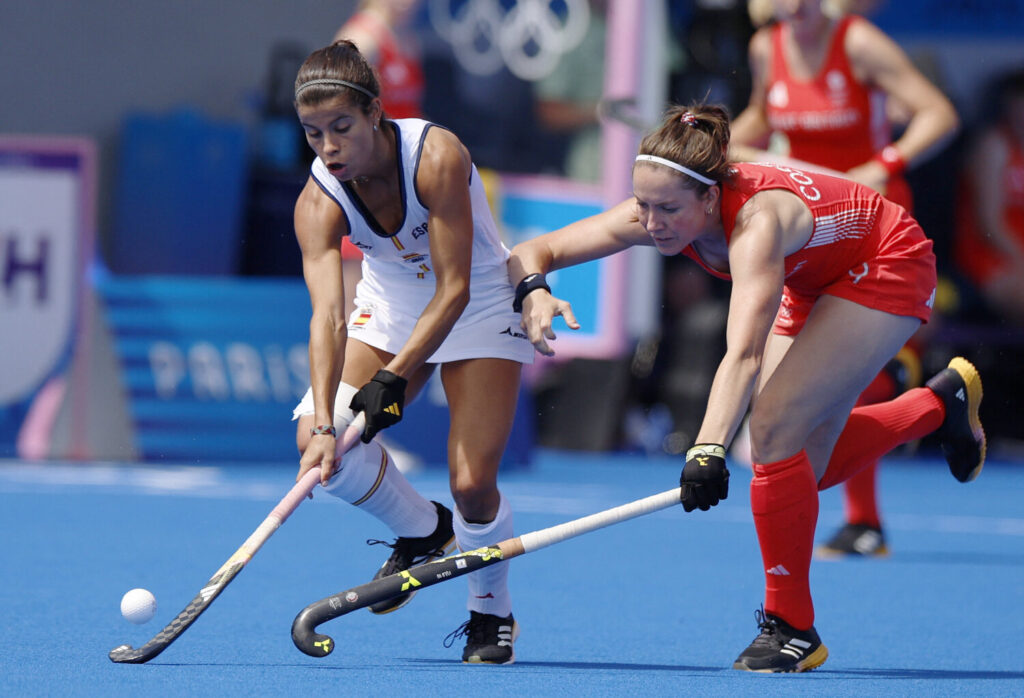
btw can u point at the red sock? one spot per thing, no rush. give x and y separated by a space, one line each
874 430
861 499
784 499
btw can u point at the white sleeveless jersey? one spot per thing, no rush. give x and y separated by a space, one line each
398 280
406 254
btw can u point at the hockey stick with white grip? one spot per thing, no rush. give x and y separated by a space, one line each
314 644
126 654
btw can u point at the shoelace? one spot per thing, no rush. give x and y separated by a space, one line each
768 627
401 547
474 630
461 631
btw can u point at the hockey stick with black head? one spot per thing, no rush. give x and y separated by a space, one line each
314 644
126 654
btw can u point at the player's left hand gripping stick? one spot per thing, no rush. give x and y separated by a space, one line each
705 479
212 589
314 644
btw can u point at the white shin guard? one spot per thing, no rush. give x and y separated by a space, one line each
488 588
367 478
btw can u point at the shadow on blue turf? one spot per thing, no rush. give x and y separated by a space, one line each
596 666
945 557
948 674
917 674
911 674
456 664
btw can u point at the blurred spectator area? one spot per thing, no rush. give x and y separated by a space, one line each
81 68
100 69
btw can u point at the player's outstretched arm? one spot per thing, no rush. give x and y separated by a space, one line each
591 238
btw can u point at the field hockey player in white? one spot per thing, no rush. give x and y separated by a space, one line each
434 291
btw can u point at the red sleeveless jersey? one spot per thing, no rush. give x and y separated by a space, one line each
973 253
401 83
862 247
401 77
831 120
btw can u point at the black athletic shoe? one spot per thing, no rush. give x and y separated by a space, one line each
961 436
409 552
781 648
854 539
489 639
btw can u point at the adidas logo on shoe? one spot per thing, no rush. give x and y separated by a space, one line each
489 639
868 542
796 648
854 539
961 396
781 648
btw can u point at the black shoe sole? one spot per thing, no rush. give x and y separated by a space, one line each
812 661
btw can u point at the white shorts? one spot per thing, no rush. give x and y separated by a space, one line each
487 329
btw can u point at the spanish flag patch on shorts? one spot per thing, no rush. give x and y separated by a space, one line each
364 317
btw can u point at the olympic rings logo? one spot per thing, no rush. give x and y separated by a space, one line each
527 36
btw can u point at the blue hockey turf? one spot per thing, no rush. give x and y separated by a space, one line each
654 606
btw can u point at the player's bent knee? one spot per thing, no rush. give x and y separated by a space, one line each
478 501
772 436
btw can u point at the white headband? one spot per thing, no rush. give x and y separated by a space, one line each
676 166
334 83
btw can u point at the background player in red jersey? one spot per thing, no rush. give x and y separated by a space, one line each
380 29
823 88
829 279
989 239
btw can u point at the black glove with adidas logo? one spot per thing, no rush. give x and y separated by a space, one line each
382 399
705 479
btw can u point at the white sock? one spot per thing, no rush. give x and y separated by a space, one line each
369 480
488 588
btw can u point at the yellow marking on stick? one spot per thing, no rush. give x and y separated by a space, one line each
410 581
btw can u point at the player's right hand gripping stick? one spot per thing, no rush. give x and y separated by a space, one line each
705 479
382 399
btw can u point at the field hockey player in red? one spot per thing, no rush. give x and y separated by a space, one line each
829 280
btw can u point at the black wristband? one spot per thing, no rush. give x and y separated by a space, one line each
529 284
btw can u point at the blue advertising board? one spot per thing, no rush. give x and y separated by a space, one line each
530 206
212 368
